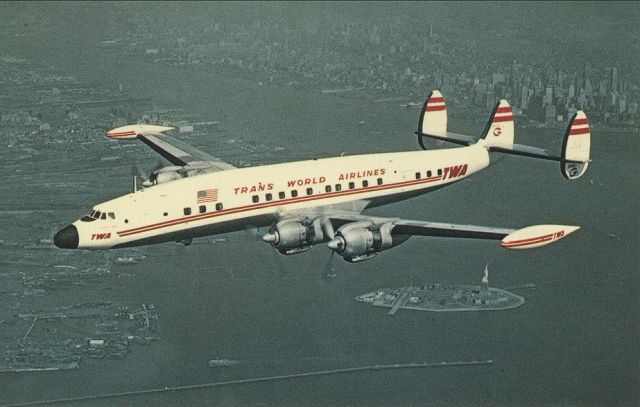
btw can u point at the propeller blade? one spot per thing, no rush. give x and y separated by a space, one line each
328 271
252 232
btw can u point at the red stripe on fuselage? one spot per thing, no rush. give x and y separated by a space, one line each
246 208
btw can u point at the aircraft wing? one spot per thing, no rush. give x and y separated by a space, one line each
421 228
357 236
511 238
180 153
175 151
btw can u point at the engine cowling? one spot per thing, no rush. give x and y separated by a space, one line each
164 174
293 236
361 241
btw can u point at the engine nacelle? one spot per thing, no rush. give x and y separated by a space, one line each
360 241
164 174
293 236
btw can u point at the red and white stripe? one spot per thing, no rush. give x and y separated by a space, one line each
503 114
113 134
522 243
579 126
435 103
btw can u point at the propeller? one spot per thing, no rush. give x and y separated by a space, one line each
252 232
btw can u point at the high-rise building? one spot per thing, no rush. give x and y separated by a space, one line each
614 79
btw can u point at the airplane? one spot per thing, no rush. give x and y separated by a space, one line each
306 203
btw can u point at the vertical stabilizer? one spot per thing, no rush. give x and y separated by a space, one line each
499 131
433 119
576 147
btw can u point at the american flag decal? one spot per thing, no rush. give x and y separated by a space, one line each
208 195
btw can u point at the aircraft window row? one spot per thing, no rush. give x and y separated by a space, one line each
429 173
309 191
201 209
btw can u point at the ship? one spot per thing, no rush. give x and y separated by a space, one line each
444 298
219 362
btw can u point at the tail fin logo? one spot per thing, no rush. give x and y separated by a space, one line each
497 131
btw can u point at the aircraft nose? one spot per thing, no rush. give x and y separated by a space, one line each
66 238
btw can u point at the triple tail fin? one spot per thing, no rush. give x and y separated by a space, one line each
499 134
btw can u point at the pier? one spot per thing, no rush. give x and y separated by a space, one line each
400 301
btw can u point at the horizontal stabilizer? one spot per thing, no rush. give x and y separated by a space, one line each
452 138
134 130
536 236
526 151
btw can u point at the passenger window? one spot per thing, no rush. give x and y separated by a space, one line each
104 216
327 188
281 195
218 207
309 191
255 199
112 215
203 208
379 181
365 183
352 185
428 173
126 221
439 171
165 214
187 211
294 193
417 175
338 187
268 197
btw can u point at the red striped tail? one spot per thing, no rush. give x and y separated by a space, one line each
433 119
576 147
499 131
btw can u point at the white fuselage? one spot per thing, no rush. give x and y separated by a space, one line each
231 200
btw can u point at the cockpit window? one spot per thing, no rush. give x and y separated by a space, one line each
95 215
90 217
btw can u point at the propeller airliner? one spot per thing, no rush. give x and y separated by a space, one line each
306 203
